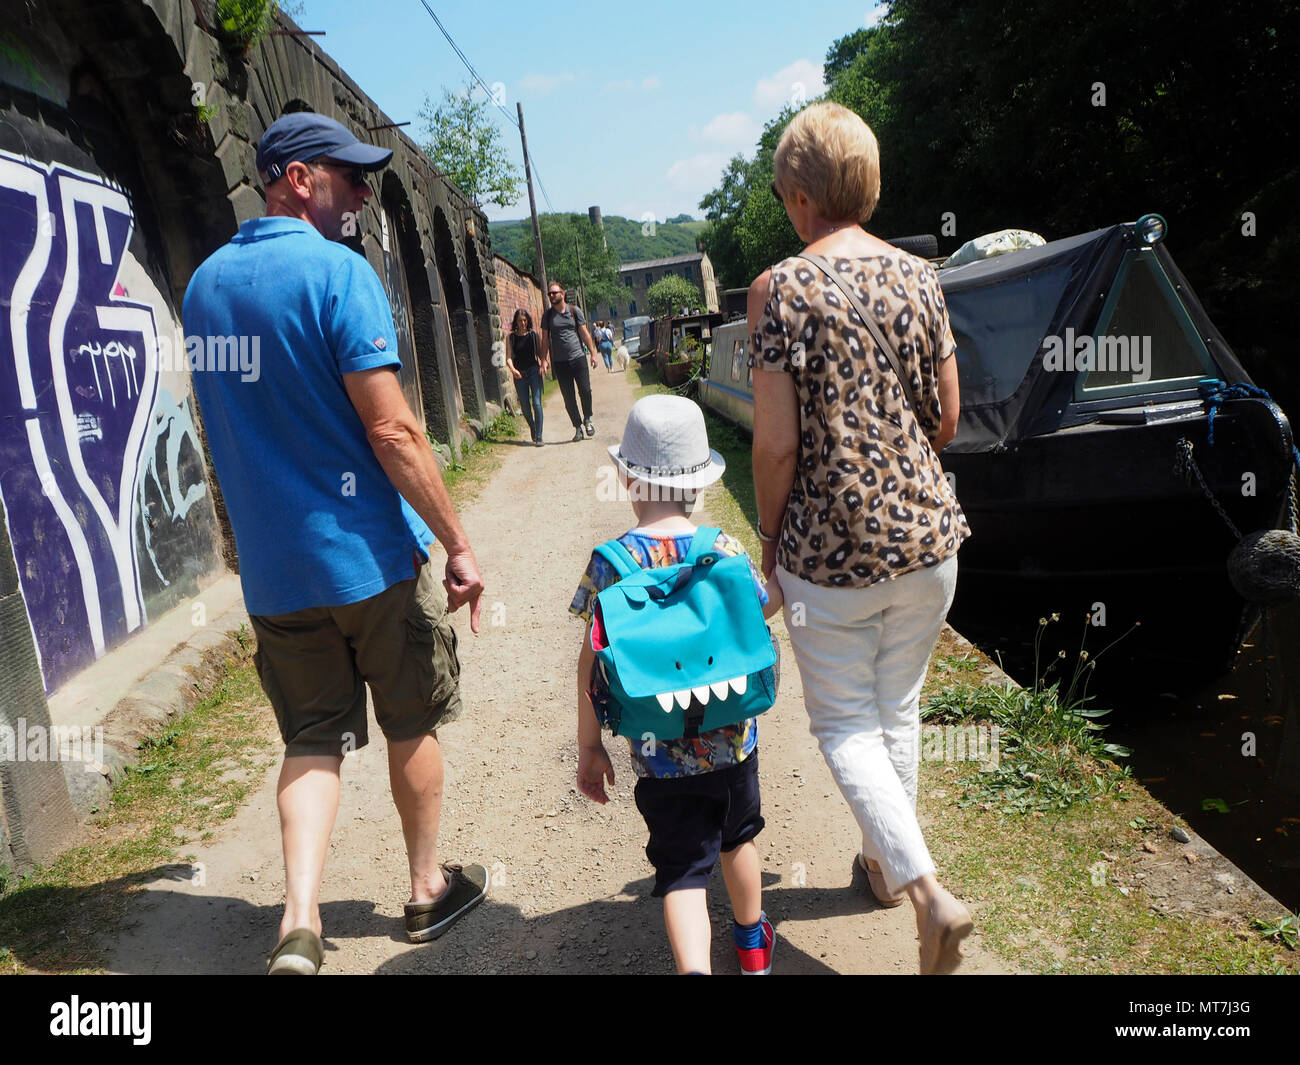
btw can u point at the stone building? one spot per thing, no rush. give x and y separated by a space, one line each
127 146
639 276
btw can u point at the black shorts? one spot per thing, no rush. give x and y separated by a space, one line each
692 819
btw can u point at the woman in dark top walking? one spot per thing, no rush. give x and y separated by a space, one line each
522 362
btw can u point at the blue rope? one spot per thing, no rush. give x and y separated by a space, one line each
1215 393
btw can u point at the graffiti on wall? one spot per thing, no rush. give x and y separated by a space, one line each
79 387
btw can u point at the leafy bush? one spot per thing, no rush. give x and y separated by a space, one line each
243 23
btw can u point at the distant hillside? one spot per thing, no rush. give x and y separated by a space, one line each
514 240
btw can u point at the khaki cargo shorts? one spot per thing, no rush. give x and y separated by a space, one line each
315 664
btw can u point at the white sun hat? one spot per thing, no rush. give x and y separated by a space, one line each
665 443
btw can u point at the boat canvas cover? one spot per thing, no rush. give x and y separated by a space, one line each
1002 310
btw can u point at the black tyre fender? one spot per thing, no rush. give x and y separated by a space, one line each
923 245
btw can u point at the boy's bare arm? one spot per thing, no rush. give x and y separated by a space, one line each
588 725
594 766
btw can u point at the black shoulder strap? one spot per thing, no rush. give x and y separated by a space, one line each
869 321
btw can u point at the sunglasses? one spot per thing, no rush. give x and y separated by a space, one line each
557 293
777 193
354 172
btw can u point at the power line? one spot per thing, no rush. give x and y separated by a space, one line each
483 85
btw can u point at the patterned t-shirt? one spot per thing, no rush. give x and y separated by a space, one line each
716 749
870 501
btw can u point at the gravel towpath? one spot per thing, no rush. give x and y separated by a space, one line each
570 882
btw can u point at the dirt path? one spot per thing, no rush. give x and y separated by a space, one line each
571 882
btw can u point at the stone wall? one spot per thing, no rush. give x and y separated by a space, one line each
128 133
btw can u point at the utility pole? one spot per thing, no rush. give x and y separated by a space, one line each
582 288
532 205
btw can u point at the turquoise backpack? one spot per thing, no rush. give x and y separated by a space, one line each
685 647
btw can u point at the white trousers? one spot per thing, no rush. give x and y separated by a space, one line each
862 655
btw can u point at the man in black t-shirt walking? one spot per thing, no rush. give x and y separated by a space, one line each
565 332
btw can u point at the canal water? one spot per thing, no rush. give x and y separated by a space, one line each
1227 760
1224 756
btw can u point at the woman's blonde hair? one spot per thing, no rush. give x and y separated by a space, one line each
829 153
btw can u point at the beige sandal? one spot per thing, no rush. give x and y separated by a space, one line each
940 951
876 881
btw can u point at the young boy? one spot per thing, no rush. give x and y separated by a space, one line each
699 797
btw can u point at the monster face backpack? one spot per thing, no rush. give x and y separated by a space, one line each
684 647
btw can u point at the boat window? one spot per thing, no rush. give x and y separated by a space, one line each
999 329
1145 339
738 360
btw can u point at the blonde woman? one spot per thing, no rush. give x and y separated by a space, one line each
855 515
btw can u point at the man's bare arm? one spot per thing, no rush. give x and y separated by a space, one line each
584 334
408 460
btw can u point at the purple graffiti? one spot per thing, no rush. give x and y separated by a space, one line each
78 378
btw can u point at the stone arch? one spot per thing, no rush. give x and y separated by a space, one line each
429 333
460 318
485 329
391 205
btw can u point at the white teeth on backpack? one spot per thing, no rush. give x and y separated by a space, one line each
719 690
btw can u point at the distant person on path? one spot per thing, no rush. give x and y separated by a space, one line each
856 517
565 337
605 341
699 797
523 360
332 490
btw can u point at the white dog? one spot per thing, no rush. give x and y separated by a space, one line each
621 356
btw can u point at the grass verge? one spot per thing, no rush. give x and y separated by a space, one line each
479 457
192 776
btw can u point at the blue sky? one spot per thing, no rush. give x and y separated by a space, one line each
635 107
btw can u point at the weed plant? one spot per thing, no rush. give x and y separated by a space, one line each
1052 753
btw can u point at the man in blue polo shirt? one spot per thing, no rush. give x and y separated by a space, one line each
334 497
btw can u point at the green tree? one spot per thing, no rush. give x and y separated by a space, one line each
562 236
1067 115
465 145
670 294
748 229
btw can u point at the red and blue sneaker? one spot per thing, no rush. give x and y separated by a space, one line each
754 946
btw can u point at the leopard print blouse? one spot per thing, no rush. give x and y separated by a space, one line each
870 501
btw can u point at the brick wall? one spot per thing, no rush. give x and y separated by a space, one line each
517 288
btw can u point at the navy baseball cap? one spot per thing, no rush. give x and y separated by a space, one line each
304 135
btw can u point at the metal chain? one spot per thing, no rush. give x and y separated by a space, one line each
1293 501
1185 462
1263 646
